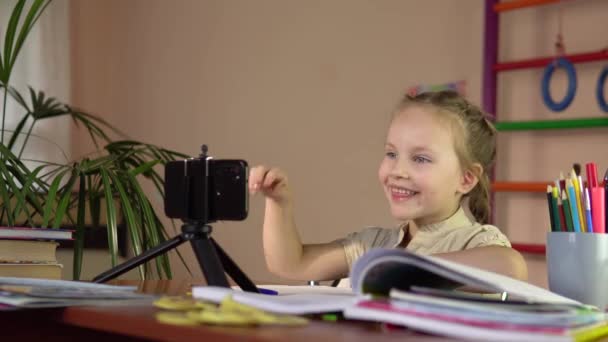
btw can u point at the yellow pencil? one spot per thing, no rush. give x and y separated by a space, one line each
592 333
579 206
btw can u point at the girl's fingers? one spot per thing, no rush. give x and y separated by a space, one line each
262 178
273 176
256 177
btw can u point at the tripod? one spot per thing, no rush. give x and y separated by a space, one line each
213 260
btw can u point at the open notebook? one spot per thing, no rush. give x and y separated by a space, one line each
381 270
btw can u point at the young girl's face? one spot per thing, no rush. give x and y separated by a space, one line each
420 171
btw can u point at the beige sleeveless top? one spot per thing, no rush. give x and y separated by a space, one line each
456 233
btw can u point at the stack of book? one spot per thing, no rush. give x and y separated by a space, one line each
31 252
29 293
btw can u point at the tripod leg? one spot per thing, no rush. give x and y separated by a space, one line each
209 261
233 270
138 260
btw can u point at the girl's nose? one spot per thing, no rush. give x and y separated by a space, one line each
400 170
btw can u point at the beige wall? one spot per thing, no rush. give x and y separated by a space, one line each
308 86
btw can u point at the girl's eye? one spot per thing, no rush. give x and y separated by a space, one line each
421 160
391 155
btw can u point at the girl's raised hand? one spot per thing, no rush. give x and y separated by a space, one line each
271 182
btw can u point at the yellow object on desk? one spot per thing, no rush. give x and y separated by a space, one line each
187 311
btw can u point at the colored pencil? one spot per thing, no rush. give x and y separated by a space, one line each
588 211
576 223
562 215
567 211
575 199
562 182
555 207
550 206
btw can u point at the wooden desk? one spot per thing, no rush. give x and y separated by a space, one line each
120 323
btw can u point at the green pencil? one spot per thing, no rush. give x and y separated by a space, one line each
555 213
550 206
567 213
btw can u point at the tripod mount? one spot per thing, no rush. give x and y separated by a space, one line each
213 260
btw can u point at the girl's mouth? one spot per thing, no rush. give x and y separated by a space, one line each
401 194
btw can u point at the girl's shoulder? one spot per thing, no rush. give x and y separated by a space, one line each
358 243
487 235
377 237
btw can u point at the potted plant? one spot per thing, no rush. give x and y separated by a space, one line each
51 193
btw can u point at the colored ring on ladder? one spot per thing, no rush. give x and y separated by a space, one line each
549 69
600 90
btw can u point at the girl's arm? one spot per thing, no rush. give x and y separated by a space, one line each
498 259
284 252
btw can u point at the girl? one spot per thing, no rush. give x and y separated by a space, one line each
437 153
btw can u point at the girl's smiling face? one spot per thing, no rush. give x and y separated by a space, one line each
420 172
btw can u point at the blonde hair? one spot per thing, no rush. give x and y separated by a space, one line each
477 143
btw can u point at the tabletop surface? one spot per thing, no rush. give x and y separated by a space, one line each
139 321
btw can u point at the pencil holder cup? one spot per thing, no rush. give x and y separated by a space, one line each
577 265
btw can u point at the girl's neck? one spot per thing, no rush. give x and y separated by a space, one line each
414 225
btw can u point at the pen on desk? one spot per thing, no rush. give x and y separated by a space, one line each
567 212
598 207
588 212
573 206
268 291
551 210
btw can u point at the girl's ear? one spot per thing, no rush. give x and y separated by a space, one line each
470 178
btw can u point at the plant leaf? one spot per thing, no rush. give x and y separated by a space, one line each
50 198
154 229
64 201
111 216
94 202
18 98
13 187
17 131
33 14
132 225
11 29
6 200
80 229
27 191
145 167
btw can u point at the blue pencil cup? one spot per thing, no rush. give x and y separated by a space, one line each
577 266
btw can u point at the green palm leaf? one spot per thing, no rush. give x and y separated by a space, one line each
110 216
133 227
80 228
62 207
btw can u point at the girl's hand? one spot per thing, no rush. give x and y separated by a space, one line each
271 182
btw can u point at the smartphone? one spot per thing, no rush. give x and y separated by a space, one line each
207 189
